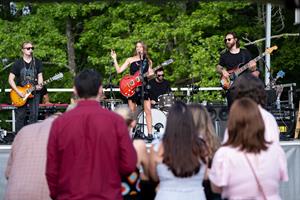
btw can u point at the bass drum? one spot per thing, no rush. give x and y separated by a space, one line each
159 120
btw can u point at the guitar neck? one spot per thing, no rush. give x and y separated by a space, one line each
246 66
42 84
154 69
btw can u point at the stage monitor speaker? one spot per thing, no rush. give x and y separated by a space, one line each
286 120
219 115
286 129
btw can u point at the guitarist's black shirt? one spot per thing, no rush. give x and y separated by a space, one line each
231 61
26 72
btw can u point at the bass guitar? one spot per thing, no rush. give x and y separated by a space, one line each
129 82
234 73
28 89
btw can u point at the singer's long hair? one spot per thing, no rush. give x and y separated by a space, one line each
145 50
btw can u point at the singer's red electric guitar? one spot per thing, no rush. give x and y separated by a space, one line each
129 82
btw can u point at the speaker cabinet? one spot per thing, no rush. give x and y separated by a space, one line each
286 121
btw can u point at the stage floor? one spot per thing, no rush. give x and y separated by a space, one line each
288 190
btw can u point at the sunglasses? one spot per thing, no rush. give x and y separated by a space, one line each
28 48
160 75
228 39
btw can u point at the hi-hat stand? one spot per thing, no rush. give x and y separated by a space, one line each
111 93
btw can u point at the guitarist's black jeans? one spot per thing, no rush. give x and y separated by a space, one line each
28 113
229 98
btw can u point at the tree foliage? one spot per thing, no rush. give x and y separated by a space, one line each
191 34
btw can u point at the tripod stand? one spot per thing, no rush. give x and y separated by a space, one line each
111 101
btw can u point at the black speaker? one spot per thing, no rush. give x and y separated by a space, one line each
286 129
219 115
286 120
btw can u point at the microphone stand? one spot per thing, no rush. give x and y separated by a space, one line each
270 86
142 92
111 94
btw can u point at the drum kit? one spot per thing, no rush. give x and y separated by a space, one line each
159 115
111 104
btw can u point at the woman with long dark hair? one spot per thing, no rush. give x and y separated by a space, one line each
179 162
247 166
140 59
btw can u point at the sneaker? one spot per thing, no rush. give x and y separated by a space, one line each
150 137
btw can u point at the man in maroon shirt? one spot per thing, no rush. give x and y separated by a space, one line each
89 148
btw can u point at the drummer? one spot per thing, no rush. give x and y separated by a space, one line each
158 86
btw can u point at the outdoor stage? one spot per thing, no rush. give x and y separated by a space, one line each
288 191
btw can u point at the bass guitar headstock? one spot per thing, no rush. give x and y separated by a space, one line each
271 49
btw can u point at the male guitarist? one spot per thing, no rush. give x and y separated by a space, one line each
233 58
27 70
140 61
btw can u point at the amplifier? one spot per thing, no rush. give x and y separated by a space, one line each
286 114
286 121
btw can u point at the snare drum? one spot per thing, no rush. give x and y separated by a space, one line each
159 120
165 101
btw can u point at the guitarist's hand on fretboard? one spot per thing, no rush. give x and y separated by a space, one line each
252 65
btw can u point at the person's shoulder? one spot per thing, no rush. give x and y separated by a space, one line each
265 114
225 151
18 61
152 81
38 61
131 59
224 52
244 50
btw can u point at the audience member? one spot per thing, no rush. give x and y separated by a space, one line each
247 166
89 147
205 128
179 161
26 165
253 88
206 131
130 188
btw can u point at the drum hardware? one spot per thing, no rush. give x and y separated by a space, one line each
3 133
6 137
112 104
165 101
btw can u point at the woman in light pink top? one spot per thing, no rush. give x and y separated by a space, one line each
246 148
